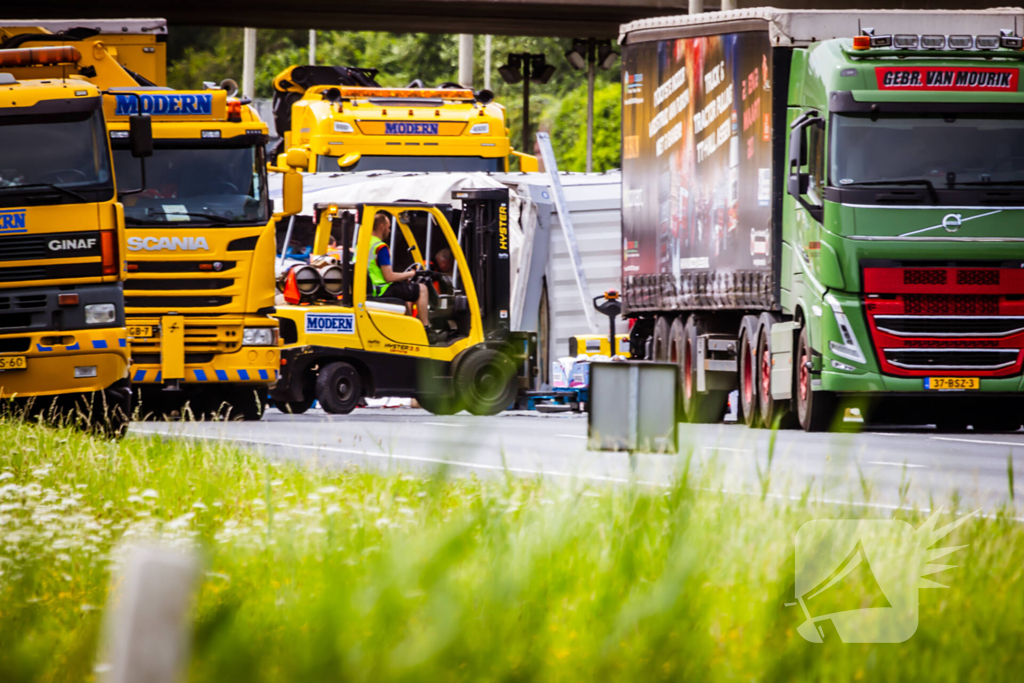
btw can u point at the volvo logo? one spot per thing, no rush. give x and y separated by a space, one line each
951 222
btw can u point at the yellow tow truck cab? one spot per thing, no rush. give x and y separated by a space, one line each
63 341
346 122
200 237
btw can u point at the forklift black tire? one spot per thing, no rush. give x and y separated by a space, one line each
438 404
486 381
339 388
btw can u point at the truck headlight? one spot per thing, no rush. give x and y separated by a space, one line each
343 127
480 129
99 314
849 348
259 336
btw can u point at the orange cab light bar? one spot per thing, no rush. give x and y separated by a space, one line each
354 93
39 56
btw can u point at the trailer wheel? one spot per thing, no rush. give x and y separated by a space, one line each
339 388
774 414
661 339
699 408
749 408
816 410
486 382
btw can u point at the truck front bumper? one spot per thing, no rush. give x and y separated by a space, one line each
844 382
248 365
50 366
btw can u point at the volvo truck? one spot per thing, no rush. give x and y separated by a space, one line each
822 212
63 342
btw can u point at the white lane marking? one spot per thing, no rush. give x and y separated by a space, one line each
726 448
893 464
981 441
573 436
443 424
411 458
523 470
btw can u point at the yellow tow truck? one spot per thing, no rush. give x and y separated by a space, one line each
345 121
63 342
342 345
200 238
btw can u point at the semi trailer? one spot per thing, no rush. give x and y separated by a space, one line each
822 210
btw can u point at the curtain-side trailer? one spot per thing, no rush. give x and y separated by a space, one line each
821 210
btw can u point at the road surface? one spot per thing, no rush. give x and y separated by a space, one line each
883 469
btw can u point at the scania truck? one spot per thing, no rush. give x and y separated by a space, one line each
63 342
822 210
346 122
200 239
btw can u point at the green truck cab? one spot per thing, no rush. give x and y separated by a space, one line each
822 211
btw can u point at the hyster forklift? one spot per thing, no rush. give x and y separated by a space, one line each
341 345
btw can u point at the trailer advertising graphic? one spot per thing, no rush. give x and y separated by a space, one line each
696 161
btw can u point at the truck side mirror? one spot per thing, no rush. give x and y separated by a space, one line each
140 131
349 160
798 182
291 193
297 158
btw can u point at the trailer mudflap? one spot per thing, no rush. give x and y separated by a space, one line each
716 362
172 347
782 359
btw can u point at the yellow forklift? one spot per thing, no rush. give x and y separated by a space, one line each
341 345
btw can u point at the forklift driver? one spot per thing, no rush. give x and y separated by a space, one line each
386 283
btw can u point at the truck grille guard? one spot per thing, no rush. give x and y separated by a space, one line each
958 321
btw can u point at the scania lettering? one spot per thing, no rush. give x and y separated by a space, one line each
63 342
167 244
829 217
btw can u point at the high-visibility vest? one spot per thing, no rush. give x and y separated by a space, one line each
377 281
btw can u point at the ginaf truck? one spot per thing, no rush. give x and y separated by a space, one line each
200 237
346 122
822 210
63 342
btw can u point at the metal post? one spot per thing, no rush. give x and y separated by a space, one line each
696 7
287 240
466 60
591 66
430 233
312 47
487 62
249 63
527 148
728 5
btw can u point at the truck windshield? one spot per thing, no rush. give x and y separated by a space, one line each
62 157
414 164
206 185
947 151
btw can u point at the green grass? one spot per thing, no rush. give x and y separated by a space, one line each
315 575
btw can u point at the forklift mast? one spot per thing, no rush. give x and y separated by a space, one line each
484 236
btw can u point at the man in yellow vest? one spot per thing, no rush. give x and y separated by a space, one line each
385 282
